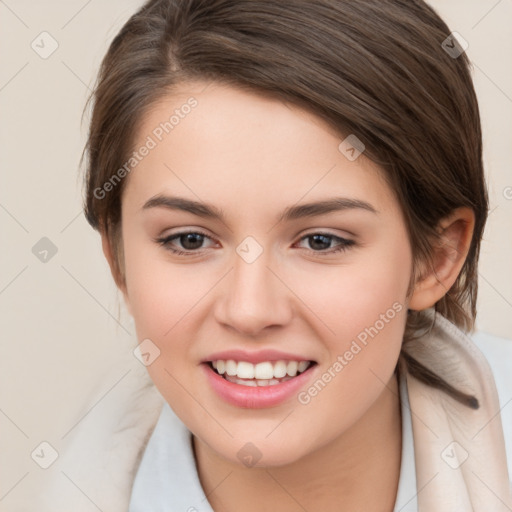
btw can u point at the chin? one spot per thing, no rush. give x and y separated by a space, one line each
261 452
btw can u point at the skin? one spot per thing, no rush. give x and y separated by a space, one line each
252 156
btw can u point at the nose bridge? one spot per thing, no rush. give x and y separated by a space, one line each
253 297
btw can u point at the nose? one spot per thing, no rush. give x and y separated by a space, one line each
253 298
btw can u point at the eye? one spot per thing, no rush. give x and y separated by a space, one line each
319 241
189 240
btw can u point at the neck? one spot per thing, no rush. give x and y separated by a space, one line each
359 470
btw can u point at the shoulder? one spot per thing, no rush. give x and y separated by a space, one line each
498 353
102 451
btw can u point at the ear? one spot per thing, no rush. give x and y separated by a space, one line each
449 255
114 269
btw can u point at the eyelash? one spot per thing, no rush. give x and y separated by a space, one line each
344 243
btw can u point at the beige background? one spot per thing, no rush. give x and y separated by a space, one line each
59 318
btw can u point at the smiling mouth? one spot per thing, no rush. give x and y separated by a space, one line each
267 373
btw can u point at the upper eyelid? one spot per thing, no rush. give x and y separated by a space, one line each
172 236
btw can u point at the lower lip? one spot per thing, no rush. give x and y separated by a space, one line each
259 397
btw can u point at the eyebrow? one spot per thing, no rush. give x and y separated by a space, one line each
313 209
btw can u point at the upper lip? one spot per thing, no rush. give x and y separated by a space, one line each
255 357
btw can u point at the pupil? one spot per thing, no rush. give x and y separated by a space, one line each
316 238
189 237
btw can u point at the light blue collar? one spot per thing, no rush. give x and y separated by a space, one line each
406 499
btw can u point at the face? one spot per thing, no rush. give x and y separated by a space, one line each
250 276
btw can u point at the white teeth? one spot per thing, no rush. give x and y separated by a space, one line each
302 366
291 368
266 371
245 370
263 371
256 382
231 367
253 383
279 369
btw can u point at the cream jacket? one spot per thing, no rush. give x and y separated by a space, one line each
99 457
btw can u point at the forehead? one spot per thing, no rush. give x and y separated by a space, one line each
230 146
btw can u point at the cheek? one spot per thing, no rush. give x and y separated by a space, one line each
160 293
367 293
364 306
162 298
373 300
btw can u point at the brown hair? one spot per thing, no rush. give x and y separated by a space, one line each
374 68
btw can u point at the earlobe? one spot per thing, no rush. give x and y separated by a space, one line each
456 232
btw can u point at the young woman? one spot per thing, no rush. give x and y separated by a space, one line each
291 199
